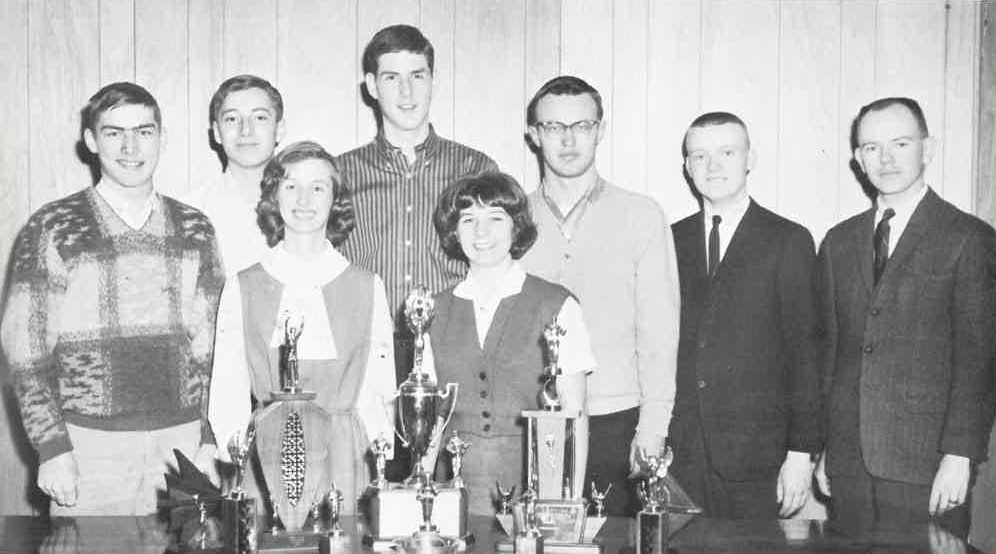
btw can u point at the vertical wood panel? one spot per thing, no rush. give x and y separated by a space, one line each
315 70
740 73
586 52
371 16
542 63
629 94
14 208
205 19
673 73
856 88
910 62
161 58
808 170
487 94
437 21
250 38
960 103
63 38
117 40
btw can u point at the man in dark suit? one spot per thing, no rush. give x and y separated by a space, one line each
747 417
908 290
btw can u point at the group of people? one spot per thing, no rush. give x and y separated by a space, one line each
136 323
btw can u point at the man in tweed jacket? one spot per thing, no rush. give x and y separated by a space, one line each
109 322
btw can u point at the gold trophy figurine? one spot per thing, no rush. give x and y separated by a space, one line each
457 447
549 397
290 378
652 521
380 448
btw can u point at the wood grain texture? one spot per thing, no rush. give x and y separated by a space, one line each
437 19
250 38
542 63
206 24
855 89
628 123
117 40
960 88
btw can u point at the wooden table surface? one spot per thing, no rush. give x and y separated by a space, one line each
140 535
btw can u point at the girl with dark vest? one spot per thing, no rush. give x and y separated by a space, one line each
345 350
488 329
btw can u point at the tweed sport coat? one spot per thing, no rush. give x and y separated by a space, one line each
909 363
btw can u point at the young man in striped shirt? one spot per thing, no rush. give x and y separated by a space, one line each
396 178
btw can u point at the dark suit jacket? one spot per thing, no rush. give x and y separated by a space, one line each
748 361
909 372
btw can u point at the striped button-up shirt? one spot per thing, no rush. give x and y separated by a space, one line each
394 202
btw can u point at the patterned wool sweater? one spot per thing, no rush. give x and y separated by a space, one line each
107 327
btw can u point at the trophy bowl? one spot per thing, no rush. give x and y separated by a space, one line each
420 405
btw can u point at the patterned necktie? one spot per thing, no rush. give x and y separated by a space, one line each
882 243
714 245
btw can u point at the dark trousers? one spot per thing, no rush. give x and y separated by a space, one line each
865 504
610 436
719 497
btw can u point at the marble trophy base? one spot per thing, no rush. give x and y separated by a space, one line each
395 513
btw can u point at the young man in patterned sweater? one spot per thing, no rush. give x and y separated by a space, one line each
109 322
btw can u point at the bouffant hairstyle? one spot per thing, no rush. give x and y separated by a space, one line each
490 189
341 220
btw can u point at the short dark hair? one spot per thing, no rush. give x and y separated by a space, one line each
885 103
568 85
397 38
245 82
342 218
115 95
491 189
709 119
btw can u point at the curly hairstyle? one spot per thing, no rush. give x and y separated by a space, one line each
342 218
490 189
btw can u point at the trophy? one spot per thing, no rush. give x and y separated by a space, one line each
424 411
457 447
549 398
380 447
505 499
290 379
598 498
427 540
238 513
655 495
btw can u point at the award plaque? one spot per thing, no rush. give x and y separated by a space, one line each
397 510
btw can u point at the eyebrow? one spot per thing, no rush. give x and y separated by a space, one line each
119 128
256 109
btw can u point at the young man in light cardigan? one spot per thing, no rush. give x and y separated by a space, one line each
109 322
613 249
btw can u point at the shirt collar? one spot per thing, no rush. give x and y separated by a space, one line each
590 196
120 204
428 148
731 216
291 269
510 285
904 211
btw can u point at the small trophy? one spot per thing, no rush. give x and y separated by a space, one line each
598 499
505 499
334 500
238 513
549 396
380 448
457 447
427 540
527 538
290 378
652 520
239 447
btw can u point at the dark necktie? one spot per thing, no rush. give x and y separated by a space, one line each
882 243
714 245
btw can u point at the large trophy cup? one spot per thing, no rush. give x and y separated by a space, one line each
394 509
554 471
292 438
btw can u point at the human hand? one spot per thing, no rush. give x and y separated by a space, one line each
794 481
950 485
58 477
643 446
822 481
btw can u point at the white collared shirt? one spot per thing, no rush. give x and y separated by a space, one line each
229 410
898 223
133 218
731 220
240 242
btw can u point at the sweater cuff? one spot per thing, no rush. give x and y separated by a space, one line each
53 447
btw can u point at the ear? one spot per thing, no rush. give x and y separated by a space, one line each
216 132
857 158
281 129
600 133
929 149
533 135
751 159
371 81
90 141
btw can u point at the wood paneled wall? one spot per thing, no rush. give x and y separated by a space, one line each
795 71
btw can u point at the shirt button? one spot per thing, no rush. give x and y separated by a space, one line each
702 384
487 427
484 394
702 344
875 311
482 375
868 349
485 413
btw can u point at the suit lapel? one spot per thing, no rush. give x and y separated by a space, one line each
864 238
924 218
738 251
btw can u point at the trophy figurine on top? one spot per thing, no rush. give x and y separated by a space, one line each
395 510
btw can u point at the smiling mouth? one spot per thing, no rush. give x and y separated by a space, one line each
131 165
304 214
407 107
